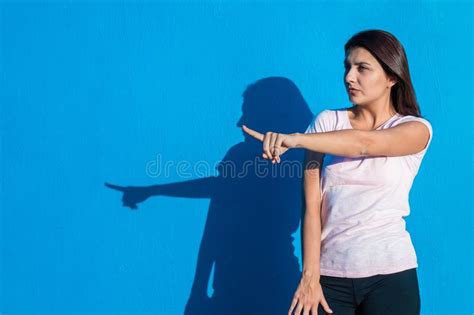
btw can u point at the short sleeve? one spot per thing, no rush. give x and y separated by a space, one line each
427 124
322 122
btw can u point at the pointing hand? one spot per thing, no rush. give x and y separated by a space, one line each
274 144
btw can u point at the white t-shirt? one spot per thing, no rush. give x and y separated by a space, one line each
363 203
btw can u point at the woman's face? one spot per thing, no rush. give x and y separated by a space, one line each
365 74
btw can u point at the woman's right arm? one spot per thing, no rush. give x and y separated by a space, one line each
309 293
312 214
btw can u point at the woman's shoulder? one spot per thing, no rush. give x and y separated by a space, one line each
332 113
406 118
328 119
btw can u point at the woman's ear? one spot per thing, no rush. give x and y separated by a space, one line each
391 81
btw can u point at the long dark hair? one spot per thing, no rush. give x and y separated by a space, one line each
390 53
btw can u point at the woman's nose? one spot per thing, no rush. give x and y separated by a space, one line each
349 77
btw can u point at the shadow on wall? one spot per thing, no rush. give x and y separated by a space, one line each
254 209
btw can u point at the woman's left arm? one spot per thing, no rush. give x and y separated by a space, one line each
403 139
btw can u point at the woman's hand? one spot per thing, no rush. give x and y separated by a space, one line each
307 297
274 144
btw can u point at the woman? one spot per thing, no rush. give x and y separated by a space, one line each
358 257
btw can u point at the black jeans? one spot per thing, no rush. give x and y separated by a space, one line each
396 293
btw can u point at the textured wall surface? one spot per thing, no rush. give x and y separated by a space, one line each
145 93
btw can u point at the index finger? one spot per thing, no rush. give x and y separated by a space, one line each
257 135
119 188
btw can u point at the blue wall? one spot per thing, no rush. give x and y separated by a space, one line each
146 93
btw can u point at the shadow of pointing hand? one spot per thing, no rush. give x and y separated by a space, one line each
131 194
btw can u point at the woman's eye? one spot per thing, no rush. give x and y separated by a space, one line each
362 68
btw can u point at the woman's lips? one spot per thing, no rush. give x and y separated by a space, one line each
353 91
